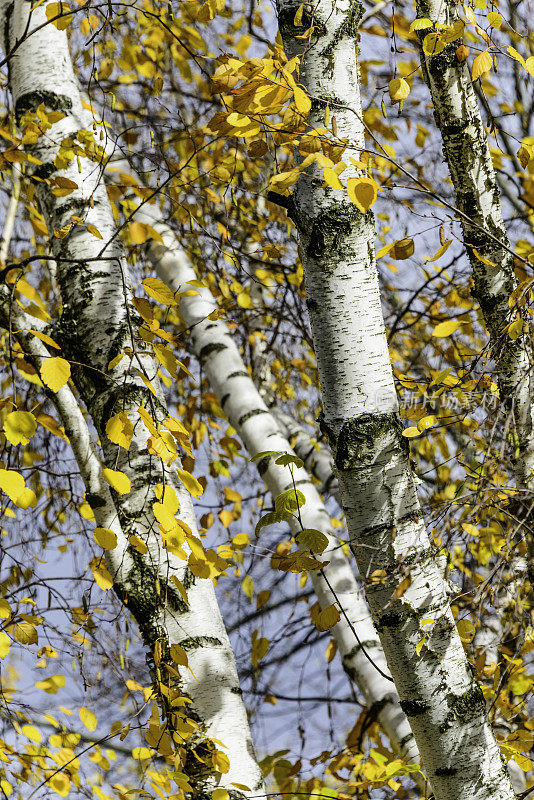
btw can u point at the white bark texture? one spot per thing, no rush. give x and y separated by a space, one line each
258 429
97 323
396 561
466 150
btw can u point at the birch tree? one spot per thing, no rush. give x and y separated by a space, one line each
478 209
168 590
387 534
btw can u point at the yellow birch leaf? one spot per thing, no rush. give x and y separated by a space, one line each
419 645
433 44
101 574
399 89
327 618
226 517
247 584
26 633
5 644
138 232
119 430
52 684
32 733
56 10
481 64
105 538
94 231
515 329
331 178
138 544
529 65
410 433
11 483
222 794
445 328
439 252
420 24
88 718
45 338
117 480
19 427
363 192
159 291
494 19
402 249
302 101
55 372
60 784
518 57
190 483
426 422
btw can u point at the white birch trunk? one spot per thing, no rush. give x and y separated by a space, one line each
97 323
466 150
258 429
445 706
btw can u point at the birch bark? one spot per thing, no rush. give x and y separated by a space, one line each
360 414
466 150
98 323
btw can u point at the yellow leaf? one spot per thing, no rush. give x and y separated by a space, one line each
45 338
302 101
441 250
94 231
481 64
241 540
105 538
247 584
420 24
101 574
60 784
5 644
331 650
516 328
55 372
332 179
190 483
120 430
88 718
52 684
32 733
363 192
529 65
26 633
138 232
222 794
419 645
56 10
142 753
433 44
402 249
11 483
445 328
327 618
178 655
117 480
466 629
426 422
19 427
470 529
494 19
159 291
226 517
410 433
243 300
138 544
399 89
